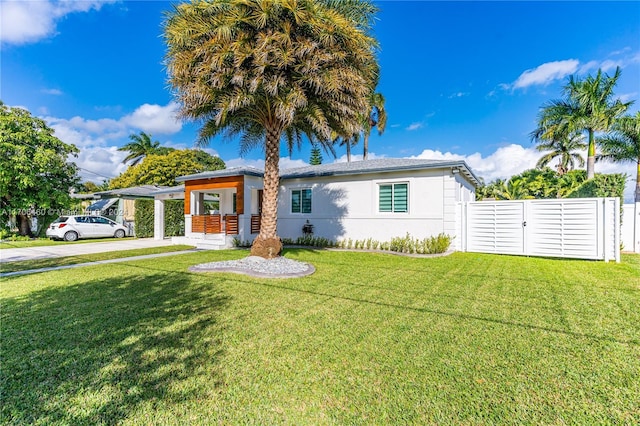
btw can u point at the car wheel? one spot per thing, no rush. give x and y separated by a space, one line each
119 233
71 236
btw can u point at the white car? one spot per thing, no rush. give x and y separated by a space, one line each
70 228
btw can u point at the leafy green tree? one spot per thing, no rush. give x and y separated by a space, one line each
272 70
533 183
570 181
514 189
588 106
162 170
91 187
316 156
376 118
540 183
566 148
623 145
140 146
36 175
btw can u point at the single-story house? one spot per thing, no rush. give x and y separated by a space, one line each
119 204
379 199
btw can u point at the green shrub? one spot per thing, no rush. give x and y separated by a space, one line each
173 218
144 218
601 186
437 244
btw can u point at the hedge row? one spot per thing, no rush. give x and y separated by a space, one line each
173 218
601 186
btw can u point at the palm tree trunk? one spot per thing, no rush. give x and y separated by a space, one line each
591 156
267 244
348 151
271 181
365 144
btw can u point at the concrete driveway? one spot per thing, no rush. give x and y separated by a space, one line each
62 249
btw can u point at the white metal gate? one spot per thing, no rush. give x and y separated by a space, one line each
585 228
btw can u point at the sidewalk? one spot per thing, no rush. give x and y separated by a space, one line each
62 250
97 262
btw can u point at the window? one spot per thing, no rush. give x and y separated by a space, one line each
301 201
393 198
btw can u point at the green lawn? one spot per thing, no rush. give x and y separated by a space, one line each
25 265
367 339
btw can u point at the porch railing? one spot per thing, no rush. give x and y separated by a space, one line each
215 224
255 223
206 224
231 224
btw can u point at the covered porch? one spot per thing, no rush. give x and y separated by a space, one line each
221 206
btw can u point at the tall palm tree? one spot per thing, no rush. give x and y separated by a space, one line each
587 106
347 141
564 148
622 144
376 117
272 70
140 146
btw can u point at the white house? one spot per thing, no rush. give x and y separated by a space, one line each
378 199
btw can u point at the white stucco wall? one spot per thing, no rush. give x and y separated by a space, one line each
347 206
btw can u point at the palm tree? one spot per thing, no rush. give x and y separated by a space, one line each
272 70
347 141
622 144
565 148
140 146
376 117
588 106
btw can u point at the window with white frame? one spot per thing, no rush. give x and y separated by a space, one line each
393 198
301 200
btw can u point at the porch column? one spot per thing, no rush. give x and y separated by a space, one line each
158 219
120 211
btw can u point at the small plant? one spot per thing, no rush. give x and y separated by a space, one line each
16 237
407 244
241 244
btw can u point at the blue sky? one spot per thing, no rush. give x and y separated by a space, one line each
462 80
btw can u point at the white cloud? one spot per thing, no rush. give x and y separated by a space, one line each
155 118
458 95
514 159
621 51
414 126
24 22
551 71
99 163
591 65
609 65
546 73
98 156
54 92
626 97
78 130
506 161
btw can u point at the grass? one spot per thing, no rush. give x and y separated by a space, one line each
42 242
367 339
26 265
